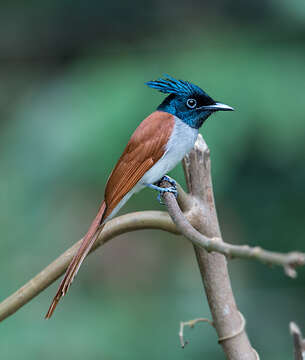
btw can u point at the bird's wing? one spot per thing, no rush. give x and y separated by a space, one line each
145 147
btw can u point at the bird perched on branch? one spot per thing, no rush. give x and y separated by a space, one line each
157 145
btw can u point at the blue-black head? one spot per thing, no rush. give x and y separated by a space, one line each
186 101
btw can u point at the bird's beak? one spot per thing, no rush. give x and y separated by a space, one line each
217 106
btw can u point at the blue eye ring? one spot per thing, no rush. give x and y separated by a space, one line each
191 103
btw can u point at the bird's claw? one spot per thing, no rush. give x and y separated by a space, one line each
171 189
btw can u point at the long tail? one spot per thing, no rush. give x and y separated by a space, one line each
76 262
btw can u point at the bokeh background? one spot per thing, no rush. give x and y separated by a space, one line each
71 93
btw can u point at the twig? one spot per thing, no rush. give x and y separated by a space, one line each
298 341
288 261
191 324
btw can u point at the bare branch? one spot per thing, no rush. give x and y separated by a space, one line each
213 266
298 341
288 261
115 227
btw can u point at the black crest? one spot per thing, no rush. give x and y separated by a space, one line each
169 85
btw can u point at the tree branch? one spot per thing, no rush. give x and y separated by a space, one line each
288 261
227 320
115 227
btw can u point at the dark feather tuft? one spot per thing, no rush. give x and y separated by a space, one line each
169 85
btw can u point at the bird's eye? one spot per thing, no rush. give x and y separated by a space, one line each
191 103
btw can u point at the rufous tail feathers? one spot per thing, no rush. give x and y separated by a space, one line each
77 260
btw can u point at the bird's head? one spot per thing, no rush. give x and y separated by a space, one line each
186 101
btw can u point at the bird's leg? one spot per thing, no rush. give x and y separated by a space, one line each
161 190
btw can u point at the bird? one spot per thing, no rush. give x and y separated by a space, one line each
157 145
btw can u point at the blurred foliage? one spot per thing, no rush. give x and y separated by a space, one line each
71 94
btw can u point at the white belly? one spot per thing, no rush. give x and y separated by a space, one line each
180 143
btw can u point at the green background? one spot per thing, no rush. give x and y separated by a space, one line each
71 93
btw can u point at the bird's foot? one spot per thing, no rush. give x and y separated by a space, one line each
171 189
161 190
